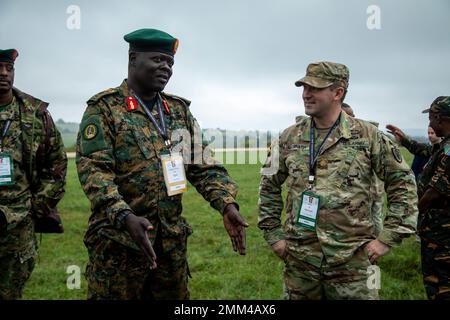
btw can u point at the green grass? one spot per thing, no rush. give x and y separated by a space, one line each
217 271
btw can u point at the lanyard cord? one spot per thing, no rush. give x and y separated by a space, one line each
162 129
312 155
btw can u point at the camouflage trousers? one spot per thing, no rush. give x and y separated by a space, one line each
436 270
117 272
17 259
304 281
434 230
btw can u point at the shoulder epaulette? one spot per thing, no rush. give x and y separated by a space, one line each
98 96
183 100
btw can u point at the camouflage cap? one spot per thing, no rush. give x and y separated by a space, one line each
8 55
440 105
145 40
324 74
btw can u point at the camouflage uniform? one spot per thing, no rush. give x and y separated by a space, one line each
377 196
434 224
18 201
330 262
120 169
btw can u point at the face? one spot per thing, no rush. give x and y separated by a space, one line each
435 124
151 70
6 76
432 136
319 101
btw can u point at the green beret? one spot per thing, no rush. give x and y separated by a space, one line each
8 55
145 40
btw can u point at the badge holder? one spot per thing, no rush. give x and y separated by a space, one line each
174 174
309 208
6 169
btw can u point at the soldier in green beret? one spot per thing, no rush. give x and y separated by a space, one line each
32 176
130 171
434 206
328 161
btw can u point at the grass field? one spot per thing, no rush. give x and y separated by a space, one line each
217 271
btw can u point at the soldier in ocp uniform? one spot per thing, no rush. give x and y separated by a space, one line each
328 162
32 176
434 206
137 237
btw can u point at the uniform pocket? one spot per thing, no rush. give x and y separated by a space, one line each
144 144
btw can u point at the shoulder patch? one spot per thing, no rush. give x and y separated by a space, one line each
183 100
90 131
397 154
92 136
98 96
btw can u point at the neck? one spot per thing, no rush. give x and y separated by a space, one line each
327 120
6 97
141 92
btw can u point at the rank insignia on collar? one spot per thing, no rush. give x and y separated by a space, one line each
131 102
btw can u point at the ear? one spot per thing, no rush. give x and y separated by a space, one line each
132 59
339 93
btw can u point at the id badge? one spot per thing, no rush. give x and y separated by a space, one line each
174 175
6 169
309 208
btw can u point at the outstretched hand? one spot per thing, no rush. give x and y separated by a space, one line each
235 226
396 132
137 227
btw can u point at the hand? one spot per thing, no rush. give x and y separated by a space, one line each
376 249
279 248
396 132
137 227
235 226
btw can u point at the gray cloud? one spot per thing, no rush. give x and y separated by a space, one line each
238 60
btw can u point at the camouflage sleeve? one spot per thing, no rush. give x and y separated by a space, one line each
96 162
400 187
416 148
209 178
441 177
52 169
270 203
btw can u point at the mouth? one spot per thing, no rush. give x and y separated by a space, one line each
162 77
4 82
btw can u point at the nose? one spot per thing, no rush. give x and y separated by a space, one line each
306 92
3 71
166 67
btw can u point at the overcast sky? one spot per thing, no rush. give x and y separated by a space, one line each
238 60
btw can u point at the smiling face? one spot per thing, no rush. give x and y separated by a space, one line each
319 101
151 70
6 77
